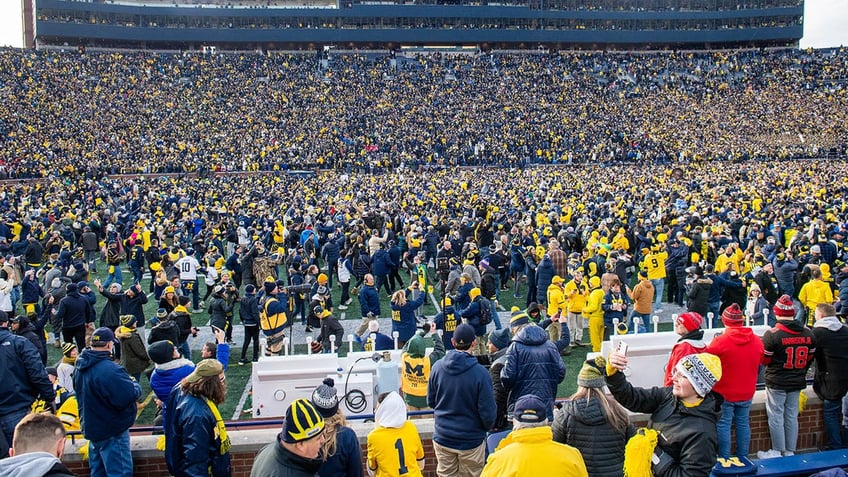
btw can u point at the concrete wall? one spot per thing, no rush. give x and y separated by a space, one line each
149 462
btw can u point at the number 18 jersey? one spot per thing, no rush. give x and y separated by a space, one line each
789 349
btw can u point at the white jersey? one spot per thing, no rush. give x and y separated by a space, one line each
187 266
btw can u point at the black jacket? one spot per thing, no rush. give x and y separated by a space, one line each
218 310
249 310
75 310
275 461
330 326
831 379
584 425
699 295
689 434
498 360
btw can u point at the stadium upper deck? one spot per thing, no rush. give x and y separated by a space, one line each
310 24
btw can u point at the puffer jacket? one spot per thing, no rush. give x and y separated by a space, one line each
544 275
689 436
22 375
218 310
533 366
193 447
583 424
166 376
699 296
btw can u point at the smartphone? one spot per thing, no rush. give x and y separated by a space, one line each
622 348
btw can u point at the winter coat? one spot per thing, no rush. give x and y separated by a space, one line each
218 310
611 298
544 275
362 264
192 445
330 326
183 319
768 287
133 353
27 330
462 299
690 343
741 352
75 310
785 271
699 296
533 366
532 452
831 378
165 376
689 435
488 284
498 360
249 310
165 330
472 315
369 301
381 263
403 317
22 375
105 394
111 312
460 393
347 461
583 424
276 461
30 290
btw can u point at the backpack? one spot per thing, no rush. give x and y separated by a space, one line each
272 322
486 316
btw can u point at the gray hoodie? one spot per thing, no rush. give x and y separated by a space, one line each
32 464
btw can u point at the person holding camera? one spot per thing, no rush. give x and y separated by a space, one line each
220 307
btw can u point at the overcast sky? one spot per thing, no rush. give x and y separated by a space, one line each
825 23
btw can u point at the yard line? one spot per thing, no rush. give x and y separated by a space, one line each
240 406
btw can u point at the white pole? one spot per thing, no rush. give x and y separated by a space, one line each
333 344
395 335
286 345
636 322
710 318
308 345
350 344
765 316
656 321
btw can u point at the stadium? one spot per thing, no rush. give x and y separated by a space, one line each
366 168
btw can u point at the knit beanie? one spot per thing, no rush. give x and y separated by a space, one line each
690 320
127 320
325 398
518 318
784 308
161 352
161 313
500 338
703 370
303 422
67 348
732 316
590 376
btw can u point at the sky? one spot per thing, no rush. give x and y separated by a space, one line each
824 23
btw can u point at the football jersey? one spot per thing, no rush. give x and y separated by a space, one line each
395 452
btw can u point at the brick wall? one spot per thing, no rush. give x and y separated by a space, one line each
151 463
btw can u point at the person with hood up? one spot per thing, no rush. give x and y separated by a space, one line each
21 326
740 352
533 365
595 424
691 341
415 368
394 446
107 396
37 448
461 395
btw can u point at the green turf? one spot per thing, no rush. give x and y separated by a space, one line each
238 376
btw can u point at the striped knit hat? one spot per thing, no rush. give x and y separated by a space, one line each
783 308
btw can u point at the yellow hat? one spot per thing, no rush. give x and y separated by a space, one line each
557 280
322 278
594 282
474 293
169 289
155 266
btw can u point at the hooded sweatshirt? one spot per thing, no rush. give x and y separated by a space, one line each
106 395
461 395
415 371
394 434
32 464
741 352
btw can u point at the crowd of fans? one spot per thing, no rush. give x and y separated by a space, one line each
132 112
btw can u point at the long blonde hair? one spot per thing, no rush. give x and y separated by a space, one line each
399 298
616 415
331 428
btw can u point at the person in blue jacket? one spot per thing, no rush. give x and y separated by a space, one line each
369 303
106 396
22 379
462 397
196 440
341 452
170 368
403 313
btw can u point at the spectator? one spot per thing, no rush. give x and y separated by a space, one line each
22 379
830 382
789 351
446 321
196 440
330 329
76 314
394 446
297 450
499 341
683 416
533 365
757 307
814 292
341 452
36 451
594 424
416 367
691 341
134 356
740 352
21 326
169 369
529 448
404 320
576 292
369 303
461 395
249 313
65 369
107 404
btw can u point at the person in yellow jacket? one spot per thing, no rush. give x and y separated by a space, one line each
557 305
530 449
576 292
654 264
595 314
415 370
814 292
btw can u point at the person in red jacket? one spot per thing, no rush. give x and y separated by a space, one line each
741 352
688 326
